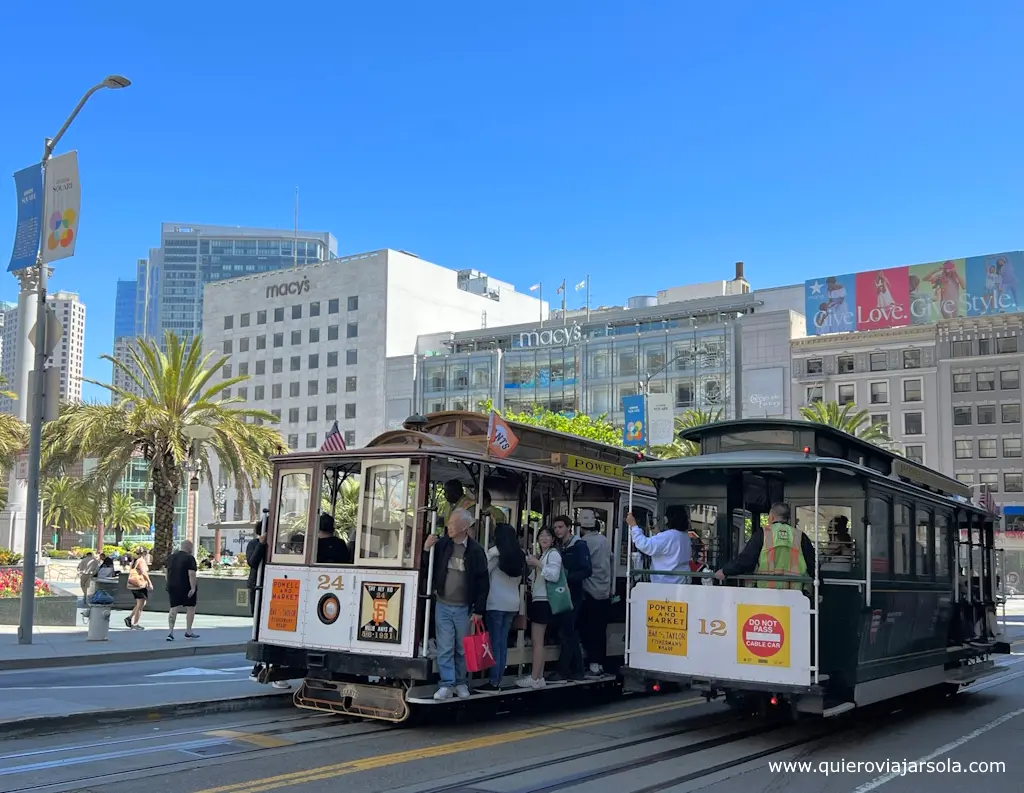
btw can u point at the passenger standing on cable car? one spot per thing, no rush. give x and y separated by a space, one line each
461 585
597 594
777 549
578 568
668 549
457 498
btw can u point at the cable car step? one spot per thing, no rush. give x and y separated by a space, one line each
353 699
835 710
972 672
424 695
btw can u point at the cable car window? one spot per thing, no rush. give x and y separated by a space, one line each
734 440
384 512
834 538
903 542
879 518
923 545
294 489
942 568
339 498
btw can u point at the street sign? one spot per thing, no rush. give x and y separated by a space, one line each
21 466
28 185
54 330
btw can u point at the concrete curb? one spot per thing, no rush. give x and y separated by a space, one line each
41 725
125 656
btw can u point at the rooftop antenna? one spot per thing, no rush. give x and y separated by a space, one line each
295 244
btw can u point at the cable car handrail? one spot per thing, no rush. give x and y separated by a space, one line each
692 574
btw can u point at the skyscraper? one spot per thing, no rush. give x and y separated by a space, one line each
170 291
124 308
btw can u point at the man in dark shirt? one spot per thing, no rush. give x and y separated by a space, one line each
330 549
746 563
181 589
255 555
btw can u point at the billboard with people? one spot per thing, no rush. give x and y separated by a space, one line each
920 294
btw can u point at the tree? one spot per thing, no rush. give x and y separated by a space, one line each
694 417
596 429
124 512
66 504
13 433
848 419
174 393
345 508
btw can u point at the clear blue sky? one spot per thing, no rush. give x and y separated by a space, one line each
649 144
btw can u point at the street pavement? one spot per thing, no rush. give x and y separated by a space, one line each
675 743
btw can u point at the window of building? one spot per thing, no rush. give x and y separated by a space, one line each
314 335
352 330
293 415
229 322
243 368
295 363
914 453
310 440
911 390
296 337
331 413
225 393
845 364
332 306
293 441
1007 344
963 450
276 413
962 416
960 349
1013 483
311 413
985 347
350 385
961 383
261 367
845 394
243 344
986 414
1009 379
293 389
815 393
966 479
332 385
314 361
986 381
227 346
814 366
989 482
313 387
913 423
350 438
1010 413
261 317
879 393
1011 447
332 359
878 362
314 308
275 391
279 315
880 420
353 303
332 333
259 393
350 410
684 395
911 359
351 357
987 449
277 366
627 363
278 340
297 312
261 342
225 371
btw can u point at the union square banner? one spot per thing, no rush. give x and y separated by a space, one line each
918 294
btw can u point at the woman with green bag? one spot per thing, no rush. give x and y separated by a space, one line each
548 591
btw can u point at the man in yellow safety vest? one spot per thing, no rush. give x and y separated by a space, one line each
777 549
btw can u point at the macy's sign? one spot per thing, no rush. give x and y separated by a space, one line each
552 337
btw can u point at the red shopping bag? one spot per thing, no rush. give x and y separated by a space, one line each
479 655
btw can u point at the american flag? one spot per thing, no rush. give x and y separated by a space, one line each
335 441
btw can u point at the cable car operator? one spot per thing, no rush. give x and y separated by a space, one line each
777 549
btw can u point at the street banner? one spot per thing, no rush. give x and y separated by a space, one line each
633 433
63 203
28 185
661 421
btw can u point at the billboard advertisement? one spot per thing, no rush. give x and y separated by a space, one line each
920 294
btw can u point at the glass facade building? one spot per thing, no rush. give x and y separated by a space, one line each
124 308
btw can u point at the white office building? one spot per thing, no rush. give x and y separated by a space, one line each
314 340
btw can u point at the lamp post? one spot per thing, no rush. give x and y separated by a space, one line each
196 433
34 280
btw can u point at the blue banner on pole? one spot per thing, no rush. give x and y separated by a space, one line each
635 431
28 183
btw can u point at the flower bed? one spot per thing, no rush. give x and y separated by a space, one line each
11 581
52 607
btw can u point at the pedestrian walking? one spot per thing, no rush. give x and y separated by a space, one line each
140 585
182 589
87 568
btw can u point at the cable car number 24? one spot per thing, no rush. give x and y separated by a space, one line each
325 582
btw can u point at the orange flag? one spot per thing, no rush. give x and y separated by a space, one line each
501 441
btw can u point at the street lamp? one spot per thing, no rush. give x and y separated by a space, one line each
196 433
33 280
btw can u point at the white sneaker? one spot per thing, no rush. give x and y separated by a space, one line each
284 684
462 691
443 693
539 682
596 670
525 682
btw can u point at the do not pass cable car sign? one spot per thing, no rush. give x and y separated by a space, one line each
762 639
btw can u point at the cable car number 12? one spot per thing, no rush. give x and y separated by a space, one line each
717 628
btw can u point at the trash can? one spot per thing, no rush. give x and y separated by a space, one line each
99 623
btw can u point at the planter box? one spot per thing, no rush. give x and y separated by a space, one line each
220 596
52 611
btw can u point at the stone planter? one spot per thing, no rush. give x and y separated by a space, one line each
222 596
52 611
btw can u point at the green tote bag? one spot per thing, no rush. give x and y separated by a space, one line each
559 598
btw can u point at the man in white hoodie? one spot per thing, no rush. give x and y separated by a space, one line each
597 594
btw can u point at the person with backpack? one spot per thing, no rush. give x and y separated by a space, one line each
506 564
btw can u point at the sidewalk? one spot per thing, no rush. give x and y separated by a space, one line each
67 646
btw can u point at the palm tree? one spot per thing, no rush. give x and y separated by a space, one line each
174 393
67 504
13 433
694 417
848 419
125 512
345 508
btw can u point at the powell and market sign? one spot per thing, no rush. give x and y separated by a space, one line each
564 336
